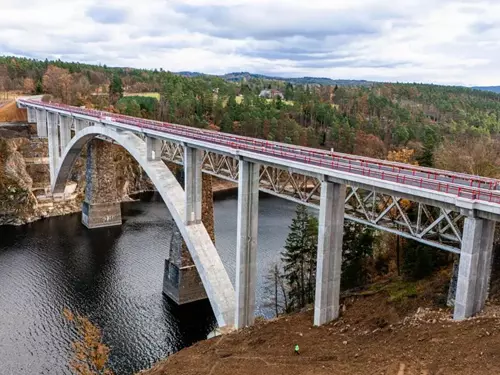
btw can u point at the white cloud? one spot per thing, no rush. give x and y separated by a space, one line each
445 41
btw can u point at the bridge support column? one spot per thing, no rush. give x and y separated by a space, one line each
53 138
246 243
65 131
31 115
101 207
153 148
192 184
41 123
181 281
80 124
329 261
474 268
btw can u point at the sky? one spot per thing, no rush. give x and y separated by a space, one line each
438 41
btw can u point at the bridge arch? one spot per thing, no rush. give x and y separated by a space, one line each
215 280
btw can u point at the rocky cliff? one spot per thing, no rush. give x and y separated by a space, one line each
25 194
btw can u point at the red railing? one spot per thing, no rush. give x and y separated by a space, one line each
347 163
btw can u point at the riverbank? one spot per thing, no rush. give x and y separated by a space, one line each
373 336
220 186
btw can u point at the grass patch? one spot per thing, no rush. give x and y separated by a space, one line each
155 95
400 291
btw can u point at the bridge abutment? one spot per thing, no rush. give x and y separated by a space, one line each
101 207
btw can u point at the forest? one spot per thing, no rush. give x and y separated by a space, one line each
454 128
371 120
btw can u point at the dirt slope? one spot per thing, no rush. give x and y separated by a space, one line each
10 113
371 338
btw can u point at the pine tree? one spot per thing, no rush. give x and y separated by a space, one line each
299 258
357 250
115 88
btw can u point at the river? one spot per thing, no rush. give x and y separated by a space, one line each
114 276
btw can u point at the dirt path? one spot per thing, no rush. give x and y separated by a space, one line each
371 338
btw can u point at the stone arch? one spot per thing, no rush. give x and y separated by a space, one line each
217 284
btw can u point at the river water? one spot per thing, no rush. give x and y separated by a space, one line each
114 276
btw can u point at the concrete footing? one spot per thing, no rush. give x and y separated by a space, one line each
181 281
101 215
329 261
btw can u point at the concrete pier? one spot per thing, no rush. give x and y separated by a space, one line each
101 207
53 138
181 281
246 243
65 123
474 268
153 148
80 124
329 261
41 123
192 184
31 113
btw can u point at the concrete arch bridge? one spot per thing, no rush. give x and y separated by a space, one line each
454 212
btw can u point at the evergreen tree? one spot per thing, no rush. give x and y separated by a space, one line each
299 258
289 91
357 250
115 89
226 124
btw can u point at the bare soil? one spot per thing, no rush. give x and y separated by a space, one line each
378 333
10 113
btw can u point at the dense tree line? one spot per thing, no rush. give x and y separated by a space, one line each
369 120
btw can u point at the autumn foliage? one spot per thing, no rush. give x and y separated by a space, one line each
90 355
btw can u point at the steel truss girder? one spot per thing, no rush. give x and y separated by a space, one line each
434 226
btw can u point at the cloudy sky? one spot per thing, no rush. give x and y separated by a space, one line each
442 41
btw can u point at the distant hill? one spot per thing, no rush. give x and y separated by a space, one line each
238 76
488 88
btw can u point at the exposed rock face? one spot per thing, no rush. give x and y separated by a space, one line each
17 202
130 177
25 194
